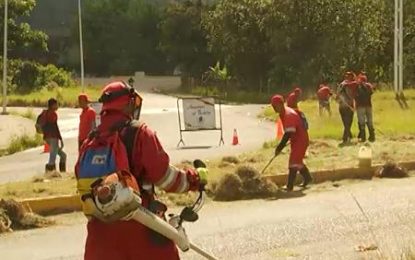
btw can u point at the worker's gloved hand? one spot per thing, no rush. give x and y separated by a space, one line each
202 171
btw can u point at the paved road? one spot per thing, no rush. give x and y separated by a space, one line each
160 113
322 223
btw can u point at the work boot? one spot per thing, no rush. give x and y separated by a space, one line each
291 179
50 171
62 166
372 137
362 133
50 168
305 172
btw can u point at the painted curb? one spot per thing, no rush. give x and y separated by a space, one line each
53 205
338 174
71 203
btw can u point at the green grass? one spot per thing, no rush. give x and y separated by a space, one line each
67 97
21 143
29 114
389 118
232 95
38 187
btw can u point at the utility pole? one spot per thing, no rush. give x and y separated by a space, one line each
6 11
81 47
398 47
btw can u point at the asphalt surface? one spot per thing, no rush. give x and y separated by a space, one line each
324 222
160 113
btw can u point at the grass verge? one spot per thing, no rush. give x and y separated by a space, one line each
29 114
67 97
21 143
38 187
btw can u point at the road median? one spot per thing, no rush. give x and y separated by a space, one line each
70 203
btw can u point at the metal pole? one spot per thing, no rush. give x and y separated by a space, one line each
395 46
81 48
400 46
6 10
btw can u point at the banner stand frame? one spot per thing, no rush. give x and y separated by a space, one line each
220 128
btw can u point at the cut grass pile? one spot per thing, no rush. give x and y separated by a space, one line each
245 183
14 216
67 97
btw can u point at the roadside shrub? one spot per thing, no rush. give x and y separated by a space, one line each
28 76
50 73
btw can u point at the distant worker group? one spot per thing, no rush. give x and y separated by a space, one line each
354 94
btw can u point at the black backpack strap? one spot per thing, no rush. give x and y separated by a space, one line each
129 138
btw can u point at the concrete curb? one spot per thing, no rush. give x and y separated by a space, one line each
53 205
339 174
71 203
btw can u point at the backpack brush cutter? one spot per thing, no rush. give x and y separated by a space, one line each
123 203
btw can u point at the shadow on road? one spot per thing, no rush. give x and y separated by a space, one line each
288 195
194 147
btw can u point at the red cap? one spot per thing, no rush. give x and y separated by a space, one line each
362 78
277 100
84 97
298 91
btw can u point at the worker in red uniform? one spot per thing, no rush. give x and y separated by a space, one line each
295 130
149 164
53 137
323 94
86 119
294 98
346 93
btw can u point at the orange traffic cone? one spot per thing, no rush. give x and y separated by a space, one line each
46 147
235 138
280 129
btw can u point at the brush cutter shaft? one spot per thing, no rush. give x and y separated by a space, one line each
150 220
269 163
201 252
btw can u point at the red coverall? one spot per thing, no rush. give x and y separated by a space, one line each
129 240
293 124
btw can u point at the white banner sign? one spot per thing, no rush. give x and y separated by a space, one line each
97 107
199 114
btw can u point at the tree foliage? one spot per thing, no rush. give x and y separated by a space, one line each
262 43
296 41
23 41
183 38
122 36
237 33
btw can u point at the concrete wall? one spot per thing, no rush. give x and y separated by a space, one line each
142 82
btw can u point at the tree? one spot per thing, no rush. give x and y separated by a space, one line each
283 42
121 37
236 32
23 42
315 39
183 39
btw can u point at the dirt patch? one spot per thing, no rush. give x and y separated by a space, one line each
14 216
230 159
245 183
391 170
319 144
403 138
